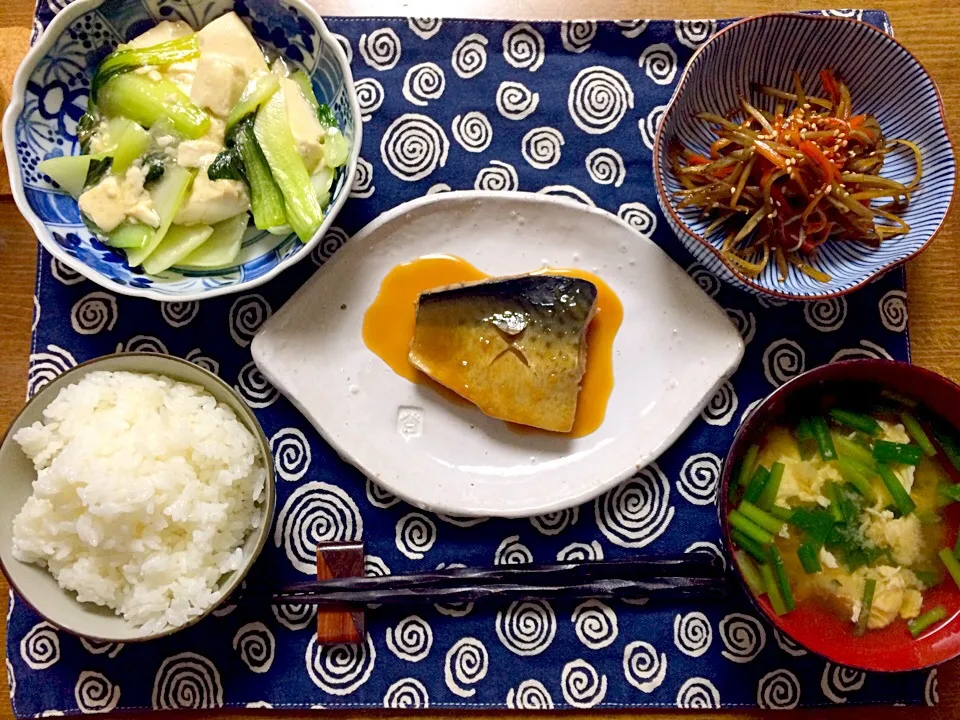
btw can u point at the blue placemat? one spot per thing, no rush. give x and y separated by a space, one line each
561 108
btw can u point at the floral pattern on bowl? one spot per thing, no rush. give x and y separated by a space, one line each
50 96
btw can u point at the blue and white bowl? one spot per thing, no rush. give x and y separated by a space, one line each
884 79
50 94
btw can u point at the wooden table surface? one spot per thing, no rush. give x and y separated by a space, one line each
929 28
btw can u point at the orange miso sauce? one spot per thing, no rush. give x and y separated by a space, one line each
390 321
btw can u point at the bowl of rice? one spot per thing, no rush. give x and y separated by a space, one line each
138 491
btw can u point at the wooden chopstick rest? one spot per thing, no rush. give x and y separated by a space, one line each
340 625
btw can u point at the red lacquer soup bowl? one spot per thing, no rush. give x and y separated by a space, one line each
891 649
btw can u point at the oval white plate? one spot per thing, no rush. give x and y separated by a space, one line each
674 348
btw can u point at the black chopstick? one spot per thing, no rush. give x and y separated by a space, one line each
697 575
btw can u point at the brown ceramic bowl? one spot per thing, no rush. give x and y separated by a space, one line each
35 585
890 649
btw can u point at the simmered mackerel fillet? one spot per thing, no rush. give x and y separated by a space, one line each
515 347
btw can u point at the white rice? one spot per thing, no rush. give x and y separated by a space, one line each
146 489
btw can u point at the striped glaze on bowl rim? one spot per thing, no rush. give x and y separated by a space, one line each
941 167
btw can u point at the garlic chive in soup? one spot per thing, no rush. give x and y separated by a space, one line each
844 507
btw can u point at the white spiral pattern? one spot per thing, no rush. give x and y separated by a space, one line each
855 14
225 610
826 315
178 314
453 609
931 694
473 131
424 82
425 28
254 388
523 47
599 98
782 360
340 669
631 28
512 552
556 522
568 192
744 322
529 695
837 681
144 344
700 478
100 647
380 49
95 693
295 617
578 552
694 33
893 310
778 690
541 147
40 647
749 409
722 406
648 125
411 639
698 693
335 239
363 186
636 512
315 512
406 694
469 57
369 97
867 349
595 624
639 217
497 177
692 633
415 535
705 279
659 62
576 35
460 521
643 667
466 663
247 314
291 452
344 43
605 166
527 627
788 645
767 301
256 645
65 275
707 548
743 637
581 685
378 497
413 147
94 313
47 365
438 188
515 101
187 681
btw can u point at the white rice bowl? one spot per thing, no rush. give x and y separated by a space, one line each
146 490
